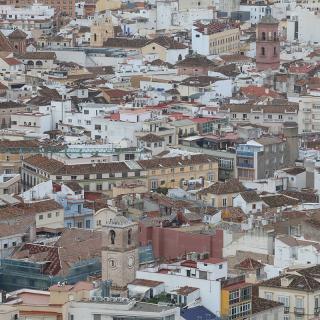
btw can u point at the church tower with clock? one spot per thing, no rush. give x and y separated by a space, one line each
120 256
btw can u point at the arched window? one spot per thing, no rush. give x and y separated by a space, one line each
39 63
263 36
129 237
30 63
112 236
263 51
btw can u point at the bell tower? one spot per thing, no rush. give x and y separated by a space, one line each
267 43
120 256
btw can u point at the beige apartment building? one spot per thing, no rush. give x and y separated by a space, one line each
299 291
221 194
174 172
215 38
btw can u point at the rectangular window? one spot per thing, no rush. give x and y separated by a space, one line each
268 295
41 217
224 202
99 187
73 177
154 184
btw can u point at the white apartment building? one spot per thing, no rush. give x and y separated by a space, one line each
257 11
205 275
272 116
119 308
290 252
301 301
36 122
301 22
309 111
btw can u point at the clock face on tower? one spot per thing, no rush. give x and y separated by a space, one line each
112 263
130 261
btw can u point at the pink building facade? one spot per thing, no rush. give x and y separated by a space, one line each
267 44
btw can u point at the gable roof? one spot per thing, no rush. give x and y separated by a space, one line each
195 60
17 34
250 264
229 186
302 280
250 196
168 43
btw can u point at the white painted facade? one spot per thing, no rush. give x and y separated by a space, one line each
256 11
247 207
210 289
31 121
303 253
294 181
110 311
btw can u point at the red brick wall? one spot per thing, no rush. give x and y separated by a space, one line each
170 243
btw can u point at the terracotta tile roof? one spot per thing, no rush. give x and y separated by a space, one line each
214 27
199 81
195 60
255 91
11 105
263 108
233 214
186 290
302 280
189 264
171 162
250 196
250 264
279 200
116 93
125 43
229 186
235 58
229 70
62 256
303 196
168 43
17 34
294 242
56 167
74 186
146 283
294 170
159 62
150 137
25 209
37 55
262 305
44 163
5 44
12 61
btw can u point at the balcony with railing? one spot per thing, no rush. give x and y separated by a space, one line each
286 310
247 165
249 154
299 311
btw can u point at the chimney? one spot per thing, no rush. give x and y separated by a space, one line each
285 282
